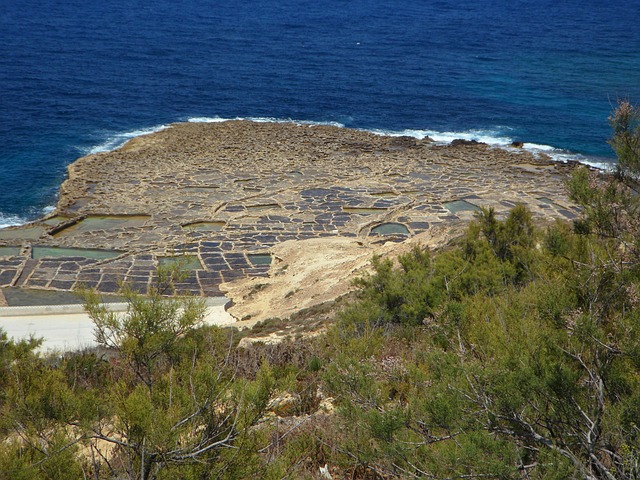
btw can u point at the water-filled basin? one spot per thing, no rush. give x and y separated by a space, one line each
259 258
461 206
104 222
55 220
9 251
59 252
390 229
186 262
29 233
548 201
266 206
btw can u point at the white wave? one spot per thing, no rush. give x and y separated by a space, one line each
15 220
497 138
565 156
10 220
297 122
207 119
263 120
119 139
493 137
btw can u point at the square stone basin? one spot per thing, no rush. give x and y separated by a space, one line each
186 262
10 251
461 206
60 252
204 226
266 206
32 232
104 222
259 258
548 201
55 220
390 228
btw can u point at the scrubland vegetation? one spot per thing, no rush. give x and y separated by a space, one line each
512 354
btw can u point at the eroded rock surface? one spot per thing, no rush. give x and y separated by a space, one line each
232 196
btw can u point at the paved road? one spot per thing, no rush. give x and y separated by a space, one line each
69 328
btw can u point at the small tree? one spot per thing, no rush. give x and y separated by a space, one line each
535 377
150 329
625 121
179 408
36 407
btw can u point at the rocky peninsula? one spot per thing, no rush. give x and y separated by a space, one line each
278 217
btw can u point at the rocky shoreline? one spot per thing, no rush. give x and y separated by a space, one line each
234 199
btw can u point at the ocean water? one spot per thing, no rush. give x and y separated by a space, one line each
82 76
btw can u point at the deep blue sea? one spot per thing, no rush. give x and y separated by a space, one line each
85 75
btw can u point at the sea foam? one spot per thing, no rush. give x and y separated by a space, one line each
564 156
498 137
14 220
263 120
495 137
113 141
116 140
10 220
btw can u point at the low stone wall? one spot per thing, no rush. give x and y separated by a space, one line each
39 310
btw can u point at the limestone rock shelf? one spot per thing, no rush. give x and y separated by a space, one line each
221 193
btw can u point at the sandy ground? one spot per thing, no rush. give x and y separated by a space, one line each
306 273
72 331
